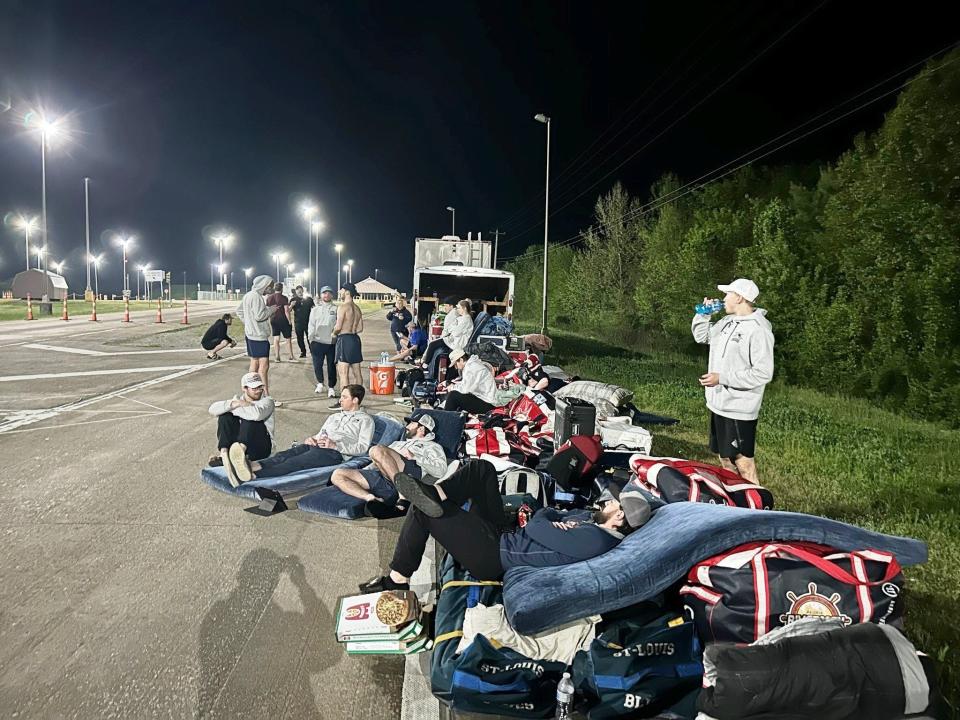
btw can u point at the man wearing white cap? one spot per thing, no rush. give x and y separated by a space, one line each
740 366
246 418
476 391
417 454
323 318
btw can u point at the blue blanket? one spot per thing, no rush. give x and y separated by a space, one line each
661 552
385 432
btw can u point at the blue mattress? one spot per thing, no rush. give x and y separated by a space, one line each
332 501
651 559
386 431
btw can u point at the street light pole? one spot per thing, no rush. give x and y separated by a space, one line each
339 248
350 271
453 221
43 181
86 202
546 221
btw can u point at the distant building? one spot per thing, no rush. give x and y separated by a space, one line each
370 289
39 283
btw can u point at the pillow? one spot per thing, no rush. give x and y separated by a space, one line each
386 429
593 391
449 432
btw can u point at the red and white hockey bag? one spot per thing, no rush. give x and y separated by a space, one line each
487 441
744 593
676 480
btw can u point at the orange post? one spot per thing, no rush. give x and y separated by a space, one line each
185 320
65 315
159 311
93 312
126 309
29 307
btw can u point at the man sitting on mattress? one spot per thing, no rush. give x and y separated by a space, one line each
343 435
417 454
480 539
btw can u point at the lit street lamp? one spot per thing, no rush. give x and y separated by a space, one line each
48 130
124 243
453 220
317 226
59 266
350 270
213 267
40 251
277 258
541 118
307 211
339 248
247 272
95 259
223 239
142 270
220 271
346 269
22 223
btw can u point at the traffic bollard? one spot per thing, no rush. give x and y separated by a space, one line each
65 315
93 312
29 307
185 320
159 312
126 309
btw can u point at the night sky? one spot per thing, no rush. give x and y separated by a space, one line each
188 115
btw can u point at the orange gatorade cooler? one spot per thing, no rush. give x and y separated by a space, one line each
382 378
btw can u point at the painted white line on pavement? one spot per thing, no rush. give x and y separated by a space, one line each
87 373
31 417
59 426
81 351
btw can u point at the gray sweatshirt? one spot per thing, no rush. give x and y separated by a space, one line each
351 431
323 317
254 312
429 455
261 410
741 352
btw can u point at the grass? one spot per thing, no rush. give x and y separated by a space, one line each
825 455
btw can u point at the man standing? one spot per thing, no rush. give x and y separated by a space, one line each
301 307
740 366
349 351
246 418
256 316
323 318
342 436
280 323
216 339
476 392
417 454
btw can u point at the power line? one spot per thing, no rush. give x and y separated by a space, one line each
666 200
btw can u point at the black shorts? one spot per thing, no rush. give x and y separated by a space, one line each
283 328
730 438
210 344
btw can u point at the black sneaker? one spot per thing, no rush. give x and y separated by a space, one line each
303 355
423 496
215 460
384 511
381 583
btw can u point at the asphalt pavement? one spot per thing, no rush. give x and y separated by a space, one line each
130 589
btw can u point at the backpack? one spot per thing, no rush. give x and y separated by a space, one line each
575 462
406 379
520 481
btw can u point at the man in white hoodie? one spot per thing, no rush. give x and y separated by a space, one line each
740 366
255 314
323 318
476 391
246 418
417 454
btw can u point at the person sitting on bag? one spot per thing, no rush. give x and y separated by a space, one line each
246 418
344 435
479 538
417 454
476 391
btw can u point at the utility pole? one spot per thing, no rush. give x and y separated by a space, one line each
88 294
496 244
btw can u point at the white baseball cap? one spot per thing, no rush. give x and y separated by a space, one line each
456 355
747 289
252 380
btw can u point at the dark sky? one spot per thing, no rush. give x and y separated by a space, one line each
191 114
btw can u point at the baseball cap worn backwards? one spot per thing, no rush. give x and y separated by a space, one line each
426 420
747 289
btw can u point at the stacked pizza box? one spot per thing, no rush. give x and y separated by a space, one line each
382 623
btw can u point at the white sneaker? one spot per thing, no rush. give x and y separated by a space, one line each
319 389
332 393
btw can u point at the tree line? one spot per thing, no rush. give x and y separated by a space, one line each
858 260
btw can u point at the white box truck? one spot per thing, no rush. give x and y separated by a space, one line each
462 268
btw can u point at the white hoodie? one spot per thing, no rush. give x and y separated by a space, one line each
459 333
323 317
254 312
741 352
478 380
427 453
261 410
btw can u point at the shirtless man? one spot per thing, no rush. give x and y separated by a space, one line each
349 352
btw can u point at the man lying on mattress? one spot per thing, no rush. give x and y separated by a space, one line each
343 435
417 454
480 538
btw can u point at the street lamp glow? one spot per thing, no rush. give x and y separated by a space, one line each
59 266
453 221
20 222
124 243
308 210
338 247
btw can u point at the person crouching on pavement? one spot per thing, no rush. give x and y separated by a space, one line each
246 418
216 339
480 539
344 435
476 391
417 454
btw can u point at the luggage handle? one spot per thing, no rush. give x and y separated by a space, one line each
830 568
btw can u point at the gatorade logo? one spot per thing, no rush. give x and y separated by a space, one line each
357 612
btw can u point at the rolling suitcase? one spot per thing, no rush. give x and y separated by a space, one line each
573 417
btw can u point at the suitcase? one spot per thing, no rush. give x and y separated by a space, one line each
573 417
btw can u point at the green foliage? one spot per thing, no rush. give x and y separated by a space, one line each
858 262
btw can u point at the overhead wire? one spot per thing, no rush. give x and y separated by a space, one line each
693 186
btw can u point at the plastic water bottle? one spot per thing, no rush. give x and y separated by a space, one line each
384 358
565 692
709 308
